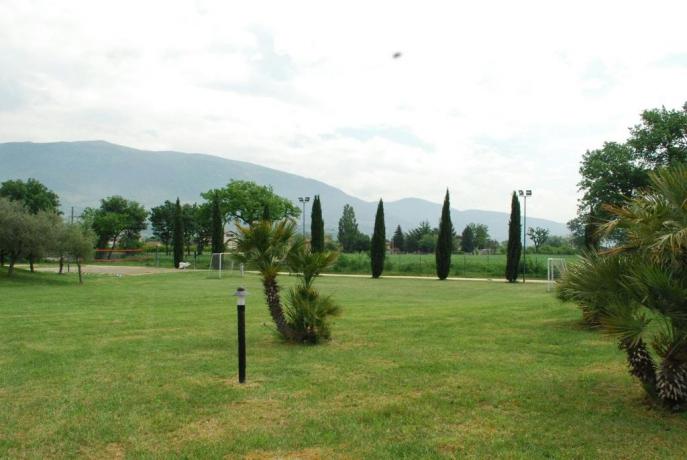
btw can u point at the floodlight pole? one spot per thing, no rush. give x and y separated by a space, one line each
524 195
304 200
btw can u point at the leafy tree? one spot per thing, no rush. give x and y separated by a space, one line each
480 235
428 243
35 197
378 243
618 171
115 217
610 175
178 235
514 248
190 224
77 242
422 238
203 226
41 233
316 226
217 225
362 243
661 137
556 241
162 222
33 194
398 239
578 232
538 235
467 239
23 234
444 246
349 236
14 231
636 292
69 238
248 202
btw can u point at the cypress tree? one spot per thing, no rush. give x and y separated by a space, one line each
217 234
316 226
178 236
378 243
399 239
349 234
444 241
514 241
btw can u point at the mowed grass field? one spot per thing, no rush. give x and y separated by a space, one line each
145 366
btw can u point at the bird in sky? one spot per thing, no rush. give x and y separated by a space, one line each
397 55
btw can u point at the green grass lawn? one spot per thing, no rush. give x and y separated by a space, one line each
146 367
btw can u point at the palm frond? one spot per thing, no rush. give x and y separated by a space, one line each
307 264
626 326
308 313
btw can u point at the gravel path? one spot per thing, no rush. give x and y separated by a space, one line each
121 270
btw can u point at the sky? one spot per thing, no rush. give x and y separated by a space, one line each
486 97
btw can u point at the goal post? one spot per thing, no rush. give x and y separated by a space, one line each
555 268
223 262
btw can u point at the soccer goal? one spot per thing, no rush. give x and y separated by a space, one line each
223 263
554 270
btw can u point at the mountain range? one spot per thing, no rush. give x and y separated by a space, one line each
83 172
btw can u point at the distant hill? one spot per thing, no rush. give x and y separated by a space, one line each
82 173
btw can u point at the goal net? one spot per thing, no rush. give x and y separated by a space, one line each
222 263
554 270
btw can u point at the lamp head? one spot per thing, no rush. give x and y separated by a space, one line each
240 295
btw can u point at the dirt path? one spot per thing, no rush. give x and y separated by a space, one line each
411 277
120 270
133 270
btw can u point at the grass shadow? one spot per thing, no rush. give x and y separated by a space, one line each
22 278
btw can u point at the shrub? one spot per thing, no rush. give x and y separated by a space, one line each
637 291
308 313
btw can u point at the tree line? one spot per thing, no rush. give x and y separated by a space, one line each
31 228
182 228
442 240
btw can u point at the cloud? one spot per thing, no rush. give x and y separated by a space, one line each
487 97
400 135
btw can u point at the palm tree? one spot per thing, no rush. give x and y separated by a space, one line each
270 245
307 311
638 290
266 244
308 264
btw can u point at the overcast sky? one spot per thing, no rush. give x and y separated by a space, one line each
487 97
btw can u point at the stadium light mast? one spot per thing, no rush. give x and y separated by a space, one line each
524 196
304 200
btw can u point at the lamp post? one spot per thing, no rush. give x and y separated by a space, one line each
240 295
304 200
524 195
